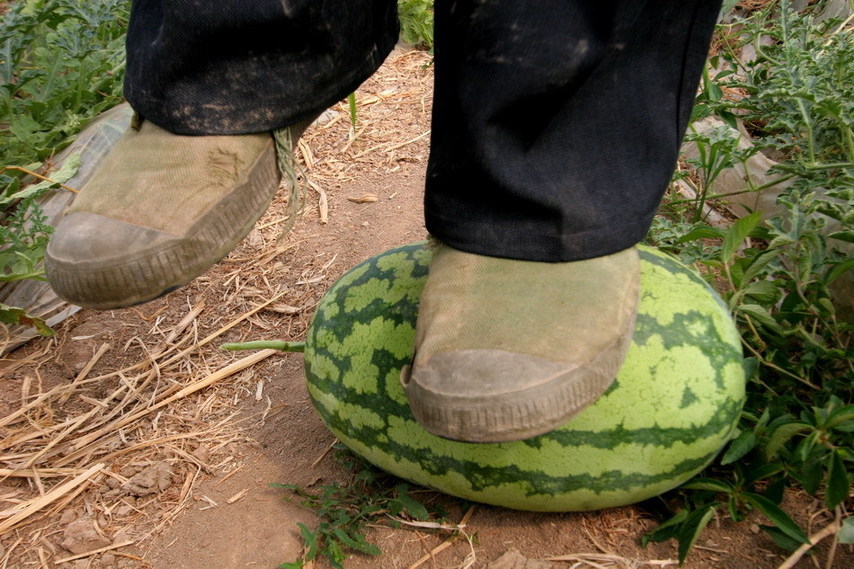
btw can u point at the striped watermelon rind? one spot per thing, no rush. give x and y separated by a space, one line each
673 406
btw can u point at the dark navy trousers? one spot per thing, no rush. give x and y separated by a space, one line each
556 123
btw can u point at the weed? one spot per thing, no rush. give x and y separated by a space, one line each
717 150
344 512
416 22
25 235
800 95
61 64
776 275
351 105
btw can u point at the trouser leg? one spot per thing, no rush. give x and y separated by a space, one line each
236 67
163 207
556 124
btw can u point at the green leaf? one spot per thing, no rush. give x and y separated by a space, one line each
777 516
310 539
839 270
763 472
806 446
691 528
760 262
751 367
775 490
847 236
699 112
846 532
334 554
737 233
356 542
19 316
729 118
701 232
351 103
761 315
782 540
781 435
838 416
743 444
826 307
714 91
811 475
762 291
22 127
838 482
708 484
69 168
666 530
412 507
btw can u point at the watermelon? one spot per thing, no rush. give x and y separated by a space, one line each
674 404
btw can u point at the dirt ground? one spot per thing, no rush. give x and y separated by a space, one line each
134 435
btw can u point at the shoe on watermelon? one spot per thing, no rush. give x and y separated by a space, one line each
161 209
507 350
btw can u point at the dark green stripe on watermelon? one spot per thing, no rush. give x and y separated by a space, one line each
684 370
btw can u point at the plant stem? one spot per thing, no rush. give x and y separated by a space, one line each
776 368
830 529
266 345
737 193
39 176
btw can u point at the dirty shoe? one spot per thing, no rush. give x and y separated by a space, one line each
160 210
507 350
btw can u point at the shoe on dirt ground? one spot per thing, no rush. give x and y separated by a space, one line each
161 209
507 350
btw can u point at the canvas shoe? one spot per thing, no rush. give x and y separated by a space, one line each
161 209
507 350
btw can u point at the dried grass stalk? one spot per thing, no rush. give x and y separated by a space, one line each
30 507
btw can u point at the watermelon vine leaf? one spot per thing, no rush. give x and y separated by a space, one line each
777 516
838 482
737 233
842 419
710 484
740 446
690 529
782 435
19 316
666 530
779 538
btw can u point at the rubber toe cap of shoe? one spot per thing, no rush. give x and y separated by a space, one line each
495 396
100 262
